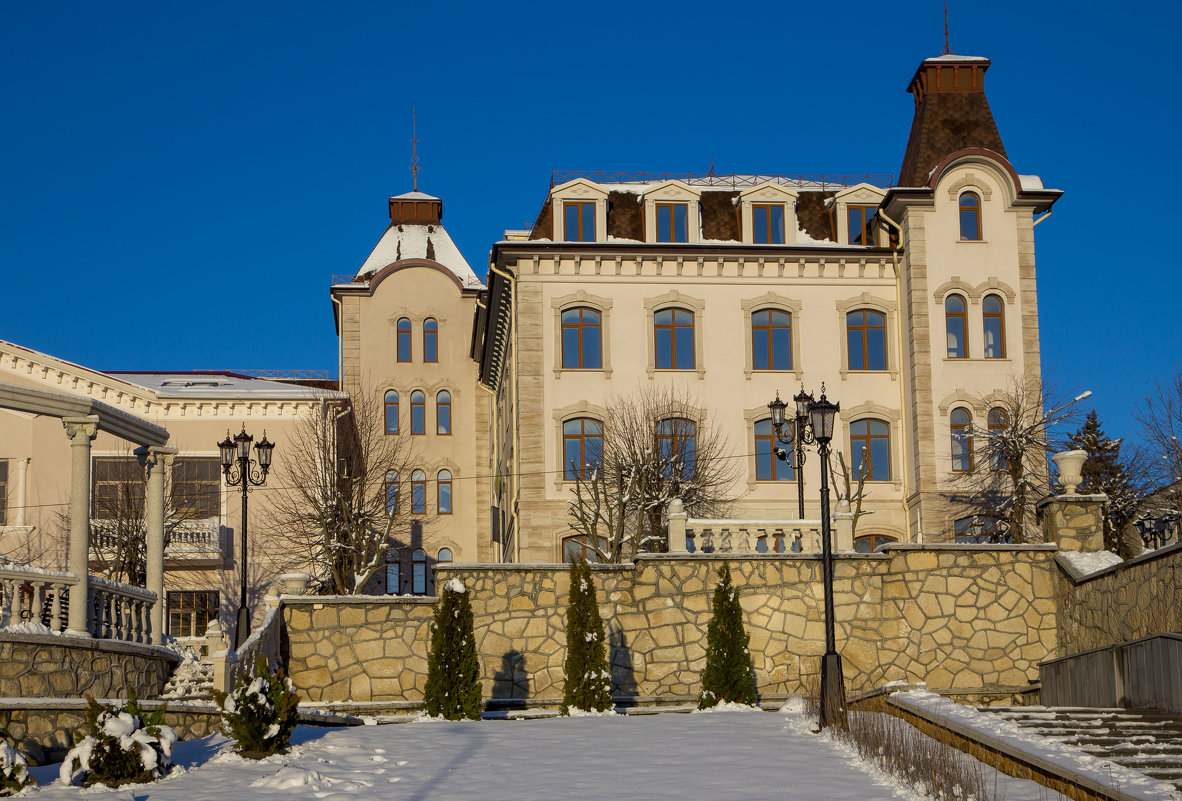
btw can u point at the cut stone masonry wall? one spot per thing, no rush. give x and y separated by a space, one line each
59 666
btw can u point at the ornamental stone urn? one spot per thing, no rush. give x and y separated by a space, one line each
295 583
1070 464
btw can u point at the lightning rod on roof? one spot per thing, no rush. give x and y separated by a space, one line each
414 148
947 48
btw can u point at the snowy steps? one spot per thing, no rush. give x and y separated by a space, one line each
191 681
1149 742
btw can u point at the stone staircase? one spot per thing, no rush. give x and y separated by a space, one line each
191 681
1145 741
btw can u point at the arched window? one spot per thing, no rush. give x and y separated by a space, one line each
418 493
993 314
443 492
403 349
444 555
998 421
430 340
674 337
961 423
392 487
582 343
957 325
870 441
582 447
677 445
393 573
443 412
970 217
391 412
579 547
419 572
771 340
870 543
866 339
767 466
418 412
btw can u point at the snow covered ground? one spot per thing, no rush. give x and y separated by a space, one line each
722 755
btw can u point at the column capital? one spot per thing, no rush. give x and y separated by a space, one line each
150 455
81 428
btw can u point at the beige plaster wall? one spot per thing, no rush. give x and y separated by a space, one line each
956 617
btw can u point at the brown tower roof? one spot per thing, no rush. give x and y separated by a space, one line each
951 114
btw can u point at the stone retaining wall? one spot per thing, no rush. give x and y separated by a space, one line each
58 666
1136 599
954 616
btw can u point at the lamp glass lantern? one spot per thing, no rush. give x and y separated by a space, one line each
226 448
263 449
777 410
822 414
243 440
803 401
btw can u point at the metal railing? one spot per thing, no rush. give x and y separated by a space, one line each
821 181
288 375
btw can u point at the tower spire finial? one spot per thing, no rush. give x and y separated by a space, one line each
414 148
947 48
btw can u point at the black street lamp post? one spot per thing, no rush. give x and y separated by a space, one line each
801 435
237 468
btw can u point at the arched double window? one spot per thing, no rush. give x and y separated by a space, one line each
418 412
961 424
998 421
402 350
391 405
870 443
443 492
869 543
771 340
418 493
970 217
430 340
392 487
443 412
767 466
582 447
677 446
673 331
582 339
956 323
994 321
866 339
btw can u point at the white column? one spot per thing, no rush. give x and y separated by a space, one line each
156 460
80 430
22 489
677 524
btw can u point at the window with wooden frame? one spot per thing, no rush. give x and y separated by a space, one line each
677 445
582 339
391 407
993 316
870 441
196 487
418 412
393 572
418 564
582 447
189 612
970 217
579 547
418 493
767 223
443 412
961 423
431 340
859 220
771 340
392 490
956 325
578 221
998 422
767 466
443 492
869 543
866 339
117 490
672 222
674 339
402 334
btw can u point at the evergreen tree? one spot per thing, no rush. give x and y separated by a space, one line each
453 672
728 675
261 712
588 681
1104 472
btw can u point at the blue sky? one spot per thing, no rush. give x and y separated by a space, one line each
180 182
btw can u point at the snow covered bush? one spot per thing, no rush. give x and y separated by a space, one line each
14 776
453 672
588 682
261 712
124 746
727 676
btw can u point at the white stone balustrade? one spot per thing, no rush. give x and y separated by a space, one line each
119 611
33 594
753 536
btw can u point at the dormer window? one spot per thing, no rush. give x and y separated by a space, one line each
578 218
672 222
858 225
767 223
580 211
767 215
853 211
672 213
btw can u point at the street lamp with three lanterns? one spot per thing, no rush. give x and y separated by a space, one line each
239 470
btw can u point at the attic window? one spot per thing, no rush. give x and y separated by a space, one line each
578 223
861 231
768 223
672 222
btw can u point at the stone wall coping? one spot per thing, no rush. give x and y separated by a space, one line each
969 546
91 644
513 566
1079 578
17 702
388 600
1040 505
1166 635
754 557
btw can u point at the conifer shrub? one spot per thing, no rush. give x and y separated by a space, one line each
727 677
588 680
453 672
261 712
14 774
124 746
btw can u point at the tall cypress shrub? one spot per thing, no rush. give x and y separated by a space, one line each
727 676
588 680
453 672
